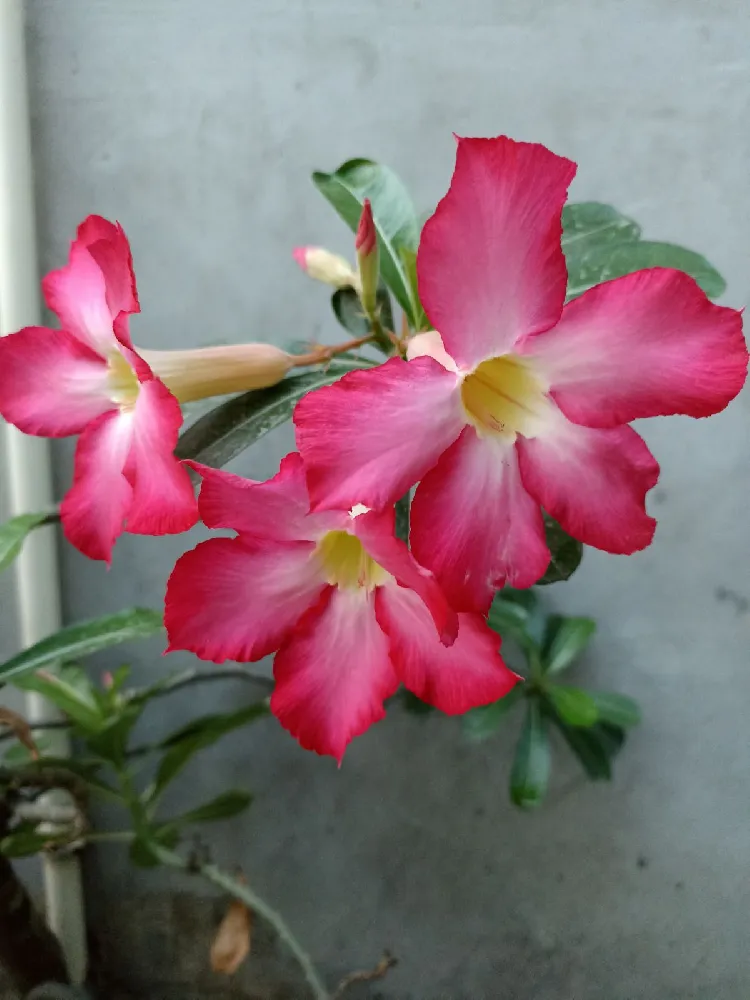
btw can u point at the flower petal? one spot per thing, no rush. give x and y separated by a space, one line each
490 264
469 673
475 526
334 673
78 295
376 532
108 245
230 599
649 344
94 509
163 498
370 436
593 482
52 384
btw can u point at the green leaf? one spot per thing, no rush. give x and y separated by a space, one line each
532 762
409 260
414 705
71 691
515 614
227 430
566 553
393 212
479 723
224 806
617 709
402 511
573 705
348 311
144 848
197 735
15 532
565 639
595 747
25 842
601 244
77 641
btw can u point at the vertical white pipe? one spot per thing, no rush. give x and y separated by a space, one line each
28 463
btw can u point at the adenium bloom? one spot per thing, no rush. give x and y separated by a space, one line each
350 612
518 403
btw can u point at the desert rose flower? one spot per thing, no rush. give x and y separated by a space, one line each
347 608
518 403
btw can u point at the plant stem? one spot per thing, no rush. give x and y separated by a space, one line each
320 355
245 894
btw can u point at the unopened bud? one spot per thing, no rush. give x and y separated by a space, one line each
368 259
216 371
322 265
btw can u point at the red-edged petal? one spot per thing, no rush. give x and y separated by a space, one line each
78 295
50 383
95 507
229 599
163 499
277 508
370 436
593 482
490 264
334 673
649 344
376 532
108 245
475 526
469 673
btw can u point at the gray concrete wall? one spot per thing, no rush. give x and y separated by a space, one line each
196 124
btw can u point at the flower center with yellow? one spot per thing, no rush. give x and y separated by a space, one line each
504 396
347 564
122 380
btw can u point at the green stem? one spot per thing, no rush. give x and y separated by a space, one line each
379 335
245 894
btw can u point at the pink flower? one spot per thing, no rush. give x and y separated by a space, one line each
350 612
86 379
518 403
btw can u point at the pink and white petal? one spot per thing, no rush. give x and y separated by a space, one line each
430 345
108 245
277 508
163 498
490 264
649 344
375 530
50 383
593 482
95 507
474 524
369 437
228 599
465 675
334 673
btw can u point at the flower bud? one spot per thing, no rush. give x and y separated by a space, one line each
216 371
368 258
322 265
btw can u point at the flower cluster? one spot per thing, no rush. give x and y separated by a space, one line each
512 404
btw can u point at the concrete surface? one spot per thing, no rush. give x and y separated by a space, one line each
196 125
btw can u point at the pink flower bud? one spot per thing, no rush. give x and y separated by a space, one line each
322 265
368 258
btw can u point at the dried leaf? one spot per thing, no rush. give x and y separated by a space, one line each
21 729
232 942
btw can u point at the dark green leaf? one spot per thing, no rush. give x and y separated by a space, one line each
76 641
402 509
15 532
515 614
25 842
566 553
617 709
573 705
144 849
482 722
393 212
111 741
531 764
85 769
564 641
224 806
414 705
227 430
409 260
71 691
594 747
348 311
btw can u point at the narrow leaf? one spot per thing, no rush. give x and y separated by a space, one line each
532 762
594 747
617 709
15 532
565 640
480 723
224 806
565 552
573 705
70 690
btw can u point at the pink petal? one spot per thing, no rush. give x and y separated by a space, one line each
376 532
593 482
50 383
469 673
108 245
95 507
475 526
230 599
78 295
163 499
649 344
370 436
334 673
490 264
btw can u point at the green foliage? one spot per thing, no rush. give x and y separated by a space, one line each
348 311
532 762
565 553
15 532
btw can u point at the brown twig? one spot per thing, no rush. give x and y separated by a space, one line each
322 353
379 972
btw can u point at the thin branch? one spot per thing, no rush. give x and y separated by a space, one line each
381 969
195 676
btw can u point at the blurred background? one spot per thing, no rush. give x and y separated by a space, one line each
197 125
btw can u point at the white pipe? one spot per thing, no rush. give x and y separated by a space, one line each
28 463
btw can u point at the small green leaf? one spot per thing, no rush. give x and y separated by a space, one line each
515 614
77 641
617 709
414 705
402 511
227 430
348 311
409 260
224 806
144 848
70 690
566 553
532 762
480 723
25 842
565 639
573 705
594 747
393 212
15 532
